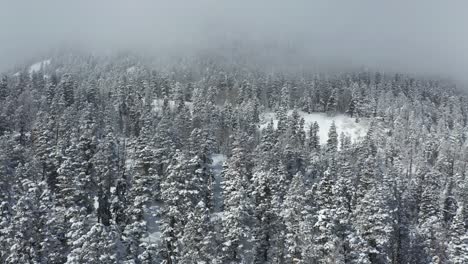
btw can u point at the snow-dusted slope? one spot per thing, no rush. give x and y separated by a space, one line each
343 123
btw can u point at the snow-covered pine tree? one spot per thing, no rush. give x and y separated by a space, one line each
293 215
237 217
198 239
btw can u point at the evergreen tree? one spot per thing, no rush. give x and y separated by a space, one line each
99 245
293 215
325 240
198 239
332 141
68 87
25 229
314 138
3 88
236 232
373 222
458 247
180 193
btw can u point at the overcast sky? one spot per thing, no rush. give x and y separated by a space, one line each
418 36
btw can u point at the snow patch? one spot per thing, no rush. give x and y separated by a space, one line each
38 66
218 160
217 167
130 163
159 103
96 202
343 123
153 238
153 221
131 70
217 217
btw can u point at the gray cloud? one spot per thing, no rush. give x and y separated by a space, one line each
419 36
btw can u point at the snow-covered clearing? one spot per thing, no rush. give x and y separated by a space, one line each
38 66
343 123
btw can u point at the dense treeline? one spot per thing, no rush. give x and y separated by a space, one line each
109 160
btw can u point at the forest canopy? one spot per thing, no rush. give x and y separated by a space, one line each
119 159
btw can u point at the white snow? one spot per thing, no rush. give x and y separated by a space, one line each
158 105
96 202
129 163
217 217
153 220
153 238
131 70
218 160
343 123
217 167
38 66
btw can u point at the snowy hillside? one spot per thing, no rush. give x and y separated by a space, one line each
90 176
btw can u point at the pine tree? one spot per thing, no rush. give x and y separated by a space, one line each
281 115
180 193
325 240
429 207
198 238
25 229
367 167
165 146
236 232
5 225
268 193
352 106
52 247
293 215
373 223
77 225
105 161
141 195
202 146
332 141
3 88
314 138
68 87
99 245
71 178
332 102
44 149
458 244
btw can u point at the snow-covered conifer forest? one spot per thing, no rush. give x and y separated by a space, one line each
113 159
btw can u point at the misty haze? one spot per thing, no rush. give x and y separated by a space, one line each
140 132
